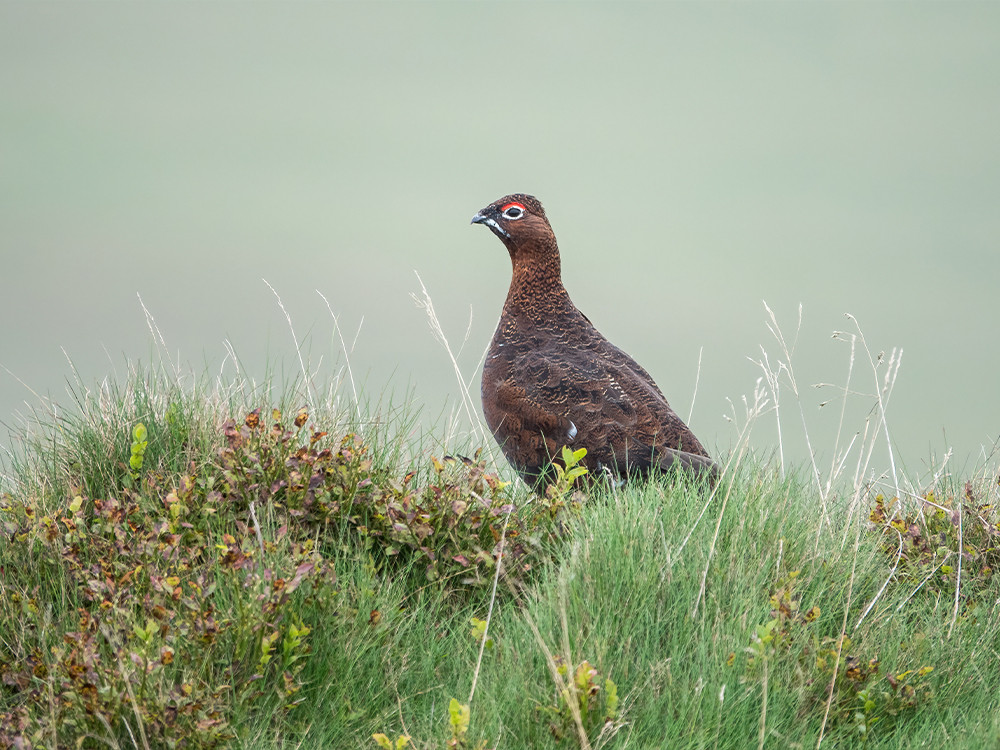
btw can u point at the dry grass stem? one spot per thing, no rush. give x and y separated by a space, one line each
561 685
753 414
840 640
890 577
306 379
489 612
468 404
763 709
697 378
958 568
343 347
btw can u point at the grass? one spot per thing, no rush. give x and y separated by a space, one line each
253 568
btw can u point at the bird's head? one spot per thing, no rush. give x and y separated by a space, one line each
518 220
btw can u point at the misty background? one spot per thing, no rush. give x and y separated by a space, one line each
695 159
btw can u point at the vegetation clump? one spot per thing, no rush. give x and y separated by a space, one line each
182 605
175 573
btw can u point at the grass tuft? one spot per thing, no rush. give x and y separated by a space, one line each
235 566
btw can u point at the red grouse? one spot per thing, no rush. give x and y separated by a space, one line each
551 379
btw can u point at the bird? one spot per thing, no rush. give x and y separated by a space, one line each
550 379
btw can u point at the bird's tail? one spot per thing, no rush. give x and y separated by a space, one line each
669 458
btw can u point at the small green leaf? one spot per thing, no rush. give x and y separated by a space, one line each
458 716
611 699
478 628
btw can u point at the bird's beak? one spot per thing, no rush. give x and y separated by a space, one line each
492 224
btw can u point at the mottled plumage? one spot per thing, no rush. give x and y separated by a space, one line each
551 379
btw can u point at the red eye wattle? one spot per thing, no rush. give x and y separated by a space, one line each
513 210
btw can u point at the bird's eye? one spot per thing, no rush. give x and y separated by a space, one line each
513 211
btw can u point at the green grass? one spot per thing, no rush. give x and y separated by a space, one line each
327 580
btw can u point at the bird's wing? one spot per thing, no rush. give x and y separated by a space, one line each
591 395
537 398
560 396
612 405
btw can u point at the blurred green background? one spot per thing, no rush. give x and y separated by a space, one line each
694 159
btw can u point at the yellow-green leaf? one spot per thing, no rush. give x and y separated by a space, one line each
610 699
458 716
478 628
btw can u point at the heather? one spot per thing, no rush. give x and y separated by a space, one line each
186 563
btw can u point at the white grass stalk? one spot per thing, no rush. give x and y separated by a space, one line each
697 378
306 379
46 403
562 686
763 709
958 569
468 404
892 574
742 442
774 383
843 632
926 579
883 391
773 376
753 413
154 330
347 352
489 613
573 697
836 466
256 528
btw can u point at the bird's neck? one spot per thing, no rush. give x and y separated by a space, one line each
536 288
